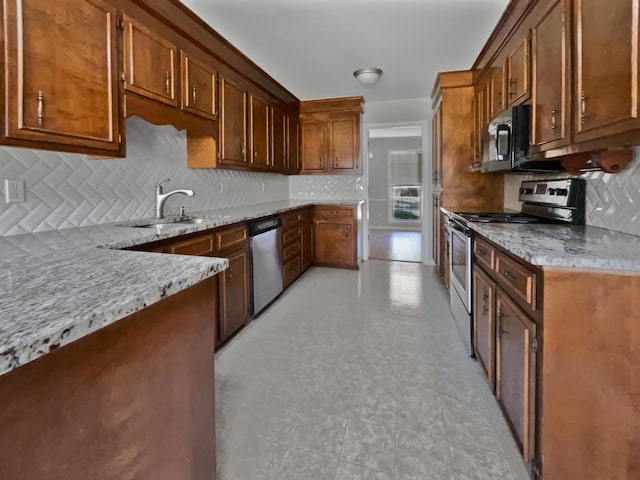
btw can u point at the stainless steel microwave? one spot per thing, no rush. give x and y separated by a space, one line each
507 141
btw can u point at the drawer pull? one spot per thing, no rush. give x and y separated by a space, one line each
482 251
40 112
507 274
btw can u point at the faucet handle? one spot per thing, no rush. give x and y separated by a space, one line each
159 185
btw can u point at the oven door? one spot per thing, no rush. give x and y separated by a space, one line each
460 261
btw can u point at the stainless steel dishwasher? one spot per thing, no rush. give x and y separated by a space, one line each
266 261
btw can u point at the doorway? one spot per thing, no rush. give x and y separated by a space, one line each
395 193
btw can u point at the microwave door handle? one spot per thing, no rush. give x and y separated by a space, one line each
502 150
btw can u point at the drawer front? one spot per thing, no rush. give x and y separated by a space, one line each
291 218
291 235
333 212
200 245
516 279
291 270
231 237
290 251
484 254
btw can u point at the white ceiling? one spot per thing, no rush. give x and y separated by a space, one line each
312 47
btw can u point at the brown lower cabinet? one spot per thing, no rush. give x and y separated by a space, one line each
297 244
335 233
231 242
558 345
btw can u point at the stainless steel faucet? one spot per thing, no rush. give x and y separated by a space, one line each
162 197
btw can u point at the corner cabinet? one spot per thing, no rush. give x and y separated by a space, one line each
66 105
330 135
335 230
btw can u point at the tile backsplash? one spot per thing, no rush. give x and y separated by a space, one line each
327 187
69 190
613 200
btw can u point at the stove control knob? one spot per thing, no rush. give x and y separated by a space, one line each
521 191
528 191
563 192
551 191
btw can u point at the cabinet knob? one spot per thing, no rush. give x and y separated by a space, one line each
40 111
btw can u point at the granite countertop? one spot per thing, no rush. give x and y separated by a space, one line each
566 245
59 286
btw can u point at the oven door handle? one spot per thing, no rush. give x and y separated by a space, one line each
460 228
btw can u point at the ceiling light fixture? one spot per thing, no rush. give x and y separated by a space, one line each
369 75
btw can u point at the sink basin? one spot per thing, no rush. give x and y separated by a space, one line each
173 223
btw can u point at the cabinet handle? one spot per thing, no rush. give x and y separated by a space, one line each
335 162
485 308
553 118
40 111
346 232
167 82
320 162
230 276
583 107
507 274
513 84
194 95
499 330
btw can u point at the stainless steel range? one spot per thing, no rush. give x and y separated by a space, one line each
548 201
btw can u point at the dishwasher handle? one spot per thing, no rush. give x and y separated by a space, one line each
263 225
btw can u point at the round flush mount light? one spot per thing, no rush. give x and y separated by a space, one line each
368 75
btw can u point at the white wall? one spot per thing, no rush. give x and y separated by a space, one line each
379 193
68 190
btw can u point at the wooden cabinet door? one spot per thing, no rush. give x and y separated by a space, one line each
436 156
234 293
516 347
306 241
498 91
335 243
344 141
61 72
150 63
606 77
518 64
279 139
198 87
481 119
259 132
551 77
484 327
313 145
293 144
232 124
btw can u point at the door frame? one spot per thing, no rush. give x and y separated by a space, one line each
427 189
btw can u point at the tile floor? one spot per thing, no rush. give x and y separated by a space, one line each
358 376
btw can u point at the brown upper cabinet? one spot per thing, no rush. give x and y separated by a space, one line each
150 63
198 87
551 73
607 57
293 142
330 131
63 105
498 91
233 126
279 138
518 65
259 132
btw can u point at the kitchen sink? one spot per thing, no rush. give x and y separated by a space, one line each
167 224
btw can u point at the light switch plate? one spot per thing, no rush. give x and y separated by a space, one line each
14 191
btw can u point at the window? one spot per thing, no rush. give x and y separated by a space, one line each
405 186
405 202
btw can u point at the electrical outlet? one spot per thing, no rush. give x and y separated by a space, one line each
14 191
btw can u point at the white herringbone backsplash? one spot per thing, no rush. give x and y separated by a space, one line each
326 187
613 200
69 190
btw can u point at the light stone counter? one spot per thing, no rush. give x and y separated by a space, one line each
566 245
58 286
